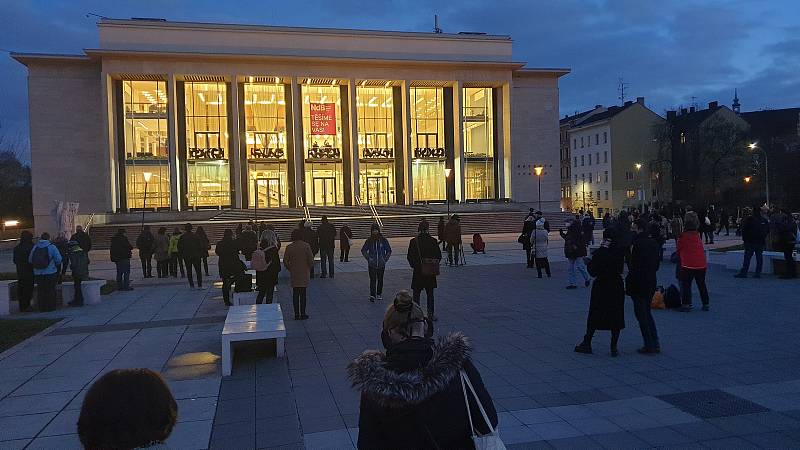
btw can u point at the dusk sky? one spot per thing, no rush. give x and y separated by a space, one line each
666 51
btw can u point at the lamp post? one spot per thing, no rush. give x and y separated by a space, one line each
147 176
446 190
538 170
641 185
753 146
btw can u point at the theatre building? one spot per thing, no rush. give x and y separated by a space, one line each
171 116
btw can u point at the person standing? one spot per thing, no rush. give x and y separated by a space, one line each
161 253
641 282
61 244
46 261
587 227
79 261
267 264
676 226
145 242
205 245
440 228
607 303
692 263
724 222
539 242
607 220
525 238
787 238
191 248
270 235
230 266
345 242
121 257
299 259
755 229
421 249
22 252
327 246
175 258
575 251
376 251
453 237
82 238
248 242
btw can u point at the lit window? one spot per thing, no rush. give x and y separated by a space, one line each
427 142
207 145
265 125
630 194
376 152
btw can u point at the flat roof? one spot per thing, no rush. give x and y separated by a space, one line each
158 23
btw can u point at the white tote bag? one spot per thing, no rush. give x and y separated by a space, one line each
489 441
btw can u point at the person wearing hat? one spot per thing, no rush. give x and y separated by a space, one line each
539 243
79 262
412 395
376 251
423 247
452 234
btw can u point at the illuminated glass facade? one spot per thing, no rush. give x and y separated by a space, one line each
428 143
266 143
376 152
478 129
322 144
145 146
207 145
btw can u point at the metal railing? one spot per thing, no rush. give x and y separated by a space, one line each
372 211
306 211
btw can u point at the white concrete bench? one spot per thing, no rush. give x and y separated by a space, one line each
5 297
251 323
89 288
243 298
735 258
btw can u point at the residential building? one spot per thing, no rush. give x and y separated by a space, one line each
565 125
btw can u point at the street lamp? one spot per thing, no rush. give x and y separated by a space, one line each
753 146
538 170
147 176
446 193
641 185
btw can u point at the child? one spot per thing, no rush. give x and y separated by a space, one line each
477 244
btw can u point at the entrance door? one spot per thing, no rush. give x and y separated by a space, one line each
268 192
378 190
325 191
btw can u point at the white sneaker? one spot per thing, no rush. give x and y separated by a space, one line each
380 297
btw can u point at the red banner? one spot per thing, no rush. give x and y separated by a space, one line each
323 118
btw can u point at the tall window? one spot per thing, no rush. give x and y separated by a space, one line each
207 149
478 129
376 152
146 144
581 141
575 161
605 156
605 137
427 142
265 137
322 139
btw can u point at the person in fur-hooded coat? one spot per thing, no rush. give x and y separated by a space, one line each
412 395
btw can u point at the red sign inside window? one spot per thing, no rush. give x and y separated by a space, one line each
323 118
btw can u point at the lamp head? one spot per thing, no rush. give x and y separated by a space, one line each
752 145
447 173
147 176
538 170
747 179
638 166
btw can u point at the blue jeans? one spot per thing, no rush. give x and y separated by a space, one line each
124 274
749 249
326 260
577 264
641 308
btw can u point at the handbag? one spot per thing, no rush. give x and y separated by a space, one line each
429 267
489 441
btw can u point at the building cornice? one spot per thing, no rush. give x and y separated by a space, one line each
26 58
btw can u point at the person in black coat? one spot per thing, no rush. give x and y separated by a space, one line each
327 244
206 244
82 238
248 242
755 229
192 248
121 256
607 304
146 243
412 395
24 270
345 236
423 246
641 282
574 251
230 266
525 238
267 279
310 237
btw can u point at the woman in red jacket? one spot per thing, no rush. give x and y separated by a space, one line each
692 257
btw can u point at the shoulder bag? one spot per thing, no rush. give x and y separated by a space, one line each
429 267
489 441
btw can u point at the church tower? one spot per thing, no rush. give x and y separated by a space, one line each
735 106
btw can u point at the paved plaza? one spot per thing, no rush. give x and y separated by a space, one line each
728 378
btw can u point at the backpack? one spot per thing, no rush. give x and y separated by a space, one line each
672 297
41 258
258 261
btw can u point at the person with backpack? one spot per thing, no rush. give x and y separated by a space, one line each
46 261
424 257
267 264
693 263
191 248
229 264
79 261
539 242
327 245
345 242
377 251
478 244
755 229
205 245
575 251
22 252
161 253
121 256
145 242
299 259
175 258
640 283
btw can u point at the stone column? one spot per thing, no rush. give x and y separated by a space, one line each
355 170
408 151
504 128
109 125
458 141
172 130
299 150
234 152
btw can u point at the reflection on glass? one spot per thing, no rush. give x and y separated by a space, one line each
478 129
265 125
376 144
322 141
207 144
146 146
427 142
